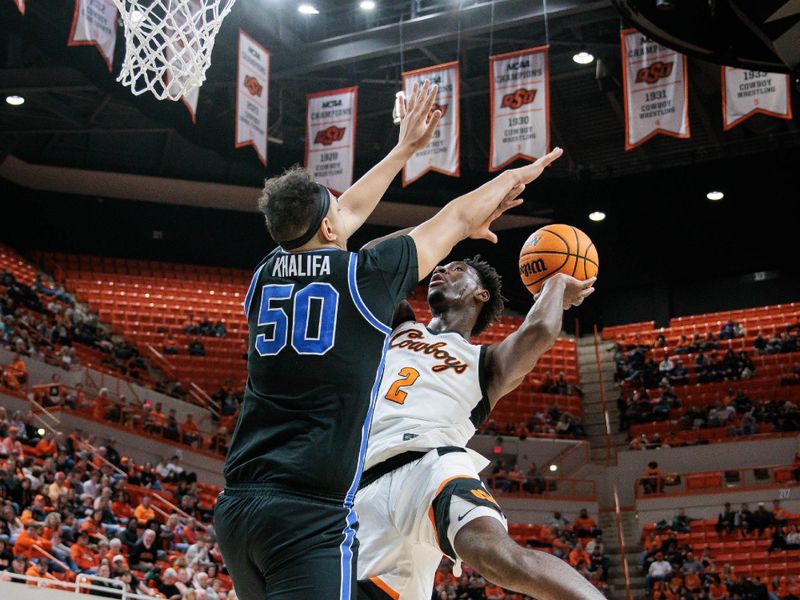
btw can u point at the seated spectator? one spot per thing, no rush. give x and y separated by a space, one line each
585 526
659 570
144 513
534 480
760 520
726 521
191 432
219 329
681 522
679 375
653 479
666 366
196 348
169 345
744 519
144 553
779 516
83 556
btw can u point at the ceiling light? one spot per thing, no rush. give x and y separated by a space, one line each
41 431
15 100
597 216
554 468
715 195
367 5
307 9
583 58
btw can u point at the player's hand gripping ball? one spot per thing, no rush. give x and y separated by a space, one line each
556 249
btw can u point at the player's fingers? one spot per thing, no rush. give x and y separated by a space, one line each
490 236
419 101
412 102
509 204
429 99
434 121
549 157
402 106
589 282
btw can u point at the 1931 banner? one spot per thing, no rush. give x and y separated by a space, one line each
442 153
252 91
520 114
331 137
745 93
656 98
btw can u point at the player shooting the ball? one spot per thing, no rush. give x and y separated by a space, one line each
421 496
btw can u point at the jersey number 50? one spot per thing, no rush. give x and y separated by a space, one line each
317 339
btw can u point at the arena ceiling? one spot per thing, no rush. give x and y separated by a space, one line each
77 116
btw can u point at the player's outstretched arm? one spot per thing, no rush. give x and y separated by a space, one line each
416 129
508 362
436 237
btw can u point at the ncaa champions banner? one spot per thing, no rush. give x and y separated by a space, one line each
94 23
745 93
520 96
656 98
252 90
442 153
331 137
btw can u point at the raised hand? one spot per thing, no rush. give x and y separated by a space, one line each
418 122
483 232
575 290
532 171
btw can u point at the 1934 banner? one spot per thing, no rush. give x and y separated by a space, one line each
520 113
331 137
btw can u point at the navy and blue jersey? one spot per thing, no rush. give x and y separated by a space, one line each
318 323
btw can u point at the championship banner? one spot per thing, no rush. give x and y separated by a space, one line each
252 92
745 93
331 137
656 97
190 102
94 23
520 117
442 153
20 6
190 99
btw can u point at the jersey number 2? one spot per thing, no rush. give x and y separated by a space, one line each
407 378
318 340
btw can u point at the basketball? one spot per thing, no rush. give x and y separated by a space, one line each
556 249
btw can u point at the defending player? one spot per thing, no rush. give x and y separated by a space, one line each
317 318
421 495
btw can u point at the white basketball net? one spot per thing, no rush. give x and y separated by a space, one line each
168 44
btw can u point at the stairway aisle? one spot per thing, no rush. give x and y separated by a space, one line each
594 419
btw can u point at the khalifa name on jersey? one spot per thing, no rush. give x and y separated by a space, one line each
302 265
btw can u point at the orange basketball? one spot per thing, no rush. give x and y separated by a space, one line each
556 249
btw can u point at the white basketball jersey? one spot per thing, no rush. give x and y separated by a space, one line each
432 393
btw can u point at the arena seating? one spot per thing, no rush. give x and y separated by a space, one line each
145 300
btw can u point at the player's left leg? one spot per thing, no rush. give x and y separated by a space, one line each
484 544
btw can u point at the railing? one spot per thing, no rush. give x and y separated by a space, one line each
716 482
83 584
603 402
552 488
621 538
572 458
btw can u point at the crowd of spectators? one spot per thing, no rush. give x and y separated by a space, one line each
676 570
553 422
635 368
580 543
46 322
204 327
735 411
65 510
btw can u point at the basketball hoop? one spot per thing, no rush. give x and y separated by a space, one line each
168 44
